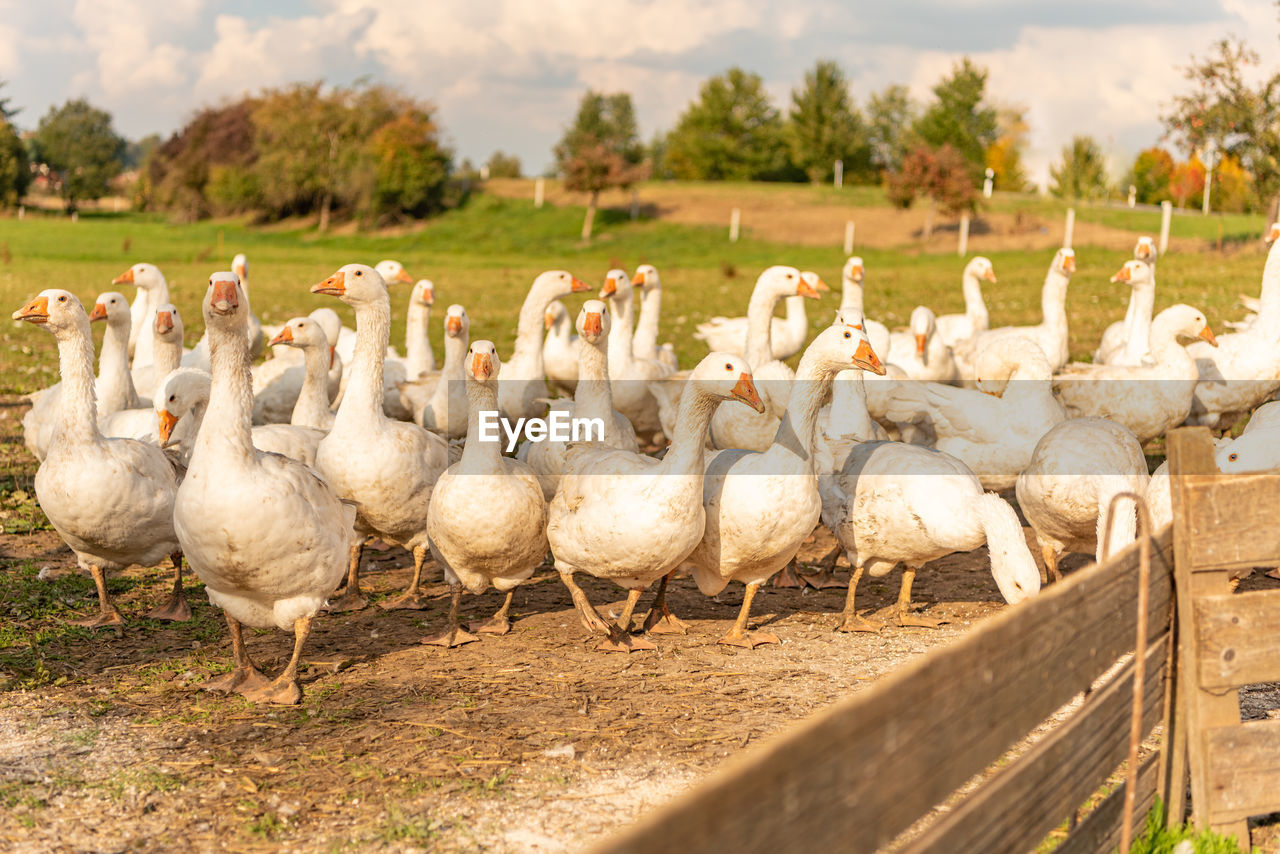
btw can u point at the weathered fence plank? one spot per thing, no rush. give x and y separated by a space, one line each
1239 639
1244 770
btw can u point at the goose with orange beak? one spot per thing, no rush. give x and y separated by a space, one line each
419 358
920 352
786 335
240 266
630 377
140 422
522 386
955 328
115 388
633 519
761 506
111 500
644 342
268 538
487 520
1128 341
388 468
560 348
153 291
438 400
312 406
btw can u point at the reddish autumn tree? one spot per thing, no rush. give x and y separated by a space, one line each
940 175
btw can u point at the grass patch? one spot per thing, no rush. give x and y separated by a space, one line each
402 827
1158 839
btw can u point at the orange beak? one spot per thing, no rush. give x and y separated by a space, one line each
1273 232
578 286
745 391
856 271
282 336
990 275
125 278
867 359
592 325
453 325
1122 276
36 311
548 320
822 286
164 322
1143 251
403 277
804 289
1069 264
334 286
99 312
428 296
224 300
610 288
921 340
637 279
167 422
481 366
1207 334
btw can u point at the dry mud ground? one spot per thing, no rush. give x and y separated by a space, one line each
533 741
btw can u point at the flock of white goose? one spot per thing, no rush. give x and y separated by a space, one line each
269 478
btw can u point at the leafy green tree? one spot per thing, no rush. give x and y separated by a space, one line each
1082 172
959 117
136 151
15 175
731 132
890 115
939 175
410 166
78 142
6 112
207 167
503 165
825 126
600 150
1227 111
1151 173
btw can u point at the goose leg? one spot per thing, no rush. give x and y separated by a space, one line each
245 677
615 639
1051 563
738 635
499 623
108 614
905 617
788 577
413 598
852 622
660 620
176 609
284 690
351 600
633 599
454 635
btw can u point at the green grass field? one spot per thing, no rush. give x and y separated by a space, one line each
485 255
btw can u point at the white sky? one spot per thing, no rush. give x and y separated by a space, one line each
508 73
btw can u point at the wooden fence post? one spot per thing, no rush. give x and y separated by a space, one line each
539 189
848 237
963 246
1166 216
735 219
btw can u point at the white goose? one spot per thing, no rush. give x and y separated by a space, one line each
786 335
266 535
393 273
1077 469
140 423
487 520
560 348
644 343
760 507
920 351
1148 400
387 467
994 436
593 399
111 500
732 427
311 409
240 266
1126 342
630 376
445 412
115 383
153 291
277 382
419 358
1051 334
955 328
852 280
632 519
904 504
522 387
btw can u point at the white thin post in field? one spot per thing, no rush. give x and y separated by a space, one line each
539 191
848 237
963 246
839 170
1133 195
1069 231
1166 217
988 183
735 219
22 211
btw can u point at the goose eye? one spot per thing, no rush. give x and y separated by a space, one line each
728 367
1233 457
172 398
848 335
62 299
359 272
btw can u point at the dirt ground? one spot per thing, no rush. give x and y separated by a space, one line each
533 741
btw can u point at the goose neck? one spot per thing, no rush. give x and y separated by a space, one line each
312 408
795 434
645 340
116 391
685 456
229 415
362 402
479 457
1269 299
619 349
759 345
593 398
975 307
851 294
77 414
417 340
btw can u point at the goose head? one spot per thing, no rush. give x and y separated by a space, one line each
180 392
240 266
224 301
616 286
646 277
924 324
1183 321
1257 451
456 322
1273 232
1004 360
1145 250
844 345
593 321
354 284
424 293
141 275
301 332
980 268
482 363
113 308
1135 273
168 323
853 270
56 310
555 316
393 272
1064 261
781 281
815 281
727 377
